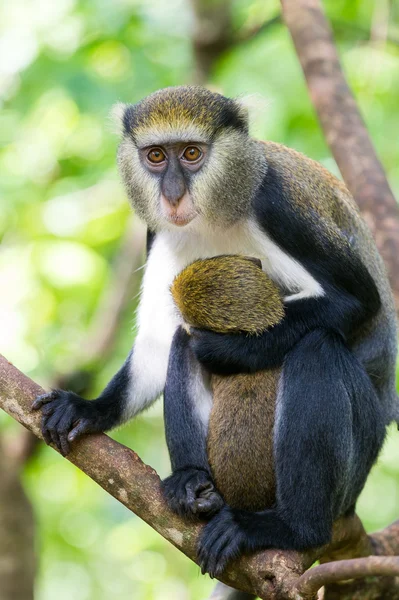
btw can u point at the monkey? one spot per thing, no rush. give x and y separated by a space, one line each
230 294
206 187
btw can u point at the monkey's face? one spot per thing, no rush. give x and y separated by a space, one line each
186 157
175 166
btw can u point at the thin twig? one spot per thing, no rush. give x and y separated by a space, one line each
311 581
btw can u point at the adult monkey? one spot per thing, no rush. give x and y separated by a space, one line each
206 188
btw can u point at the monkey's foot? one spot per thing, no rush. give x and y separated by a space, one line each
222 540
66 416
191 493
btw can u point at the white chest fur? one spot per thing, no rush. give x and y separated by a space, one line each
173 250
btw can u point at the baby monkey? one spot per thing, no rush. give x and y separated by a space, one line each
231 294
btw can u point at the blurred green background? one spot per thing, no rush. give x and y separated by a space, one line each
63 213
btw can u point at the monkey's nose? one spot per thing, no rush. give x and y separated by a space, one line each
173 193
173 199
173 186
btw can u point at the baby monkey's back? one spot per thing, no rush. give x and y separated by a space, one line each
231 294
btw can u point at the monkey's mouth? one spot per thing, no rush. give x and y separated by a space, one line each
180 220
180 214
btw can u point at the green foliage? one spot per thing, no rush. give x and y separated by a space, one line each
63 211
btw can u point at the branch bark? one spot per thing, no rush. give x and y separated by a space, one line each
344 127
118 470
357 568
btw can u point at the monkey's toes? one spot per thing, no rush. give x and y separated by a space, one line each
191 493
208 502
221 541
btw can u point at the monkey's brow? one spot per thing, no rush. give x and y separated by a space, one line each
159 138
183 143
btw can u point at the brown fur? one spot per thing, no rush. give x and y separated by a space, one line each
232 294
240 438
227 294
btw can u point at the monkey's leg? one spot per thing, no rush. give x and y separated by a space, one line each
190 490
329 429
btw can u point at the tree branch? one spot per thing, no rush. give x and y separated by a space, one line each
211 35
344 128
311 581
357 33
118 470
113 466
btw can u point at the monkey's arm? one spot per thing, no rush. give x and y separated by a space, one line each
350 296
227 354
137 384
67 416
190 490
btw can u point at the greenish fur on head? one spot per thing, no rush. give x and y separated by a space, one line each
222 190
182 107
227 294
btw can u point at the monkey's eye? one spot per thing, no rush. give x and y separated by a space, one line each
156 156
191 154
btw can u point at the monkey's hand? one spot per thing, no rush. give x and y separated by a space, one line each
222 540
66 416
191 493
226 353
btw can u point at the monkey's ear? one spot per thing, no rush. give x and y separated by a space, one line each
252 106
121 117
242 109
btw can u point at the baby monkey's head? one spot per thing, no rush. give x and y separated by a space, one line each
228 294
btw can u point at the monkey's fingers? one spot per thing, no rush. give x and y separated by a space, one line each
44 399
185 487
82 427
66 416
52 430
